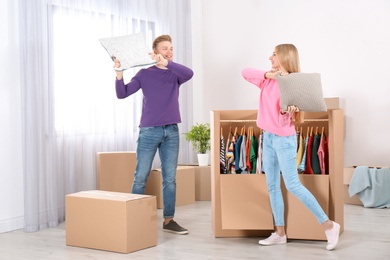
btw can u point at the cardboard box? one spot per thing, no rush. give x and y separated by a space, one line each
348 172
185 186
115 171
202 183
111 221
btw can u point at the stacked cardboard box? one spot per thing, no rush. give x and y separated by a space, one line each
185 186
202 183
115 171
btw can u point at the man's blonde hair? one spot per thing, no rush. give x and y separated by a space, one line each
161 38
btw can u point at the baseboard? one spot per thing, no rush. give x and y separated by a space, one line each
12 224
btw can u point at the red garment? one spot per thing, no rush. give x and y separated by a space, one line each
308 169
248 151
321 153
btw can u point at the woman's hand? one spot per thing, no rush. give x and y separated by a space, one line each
290 110
273 73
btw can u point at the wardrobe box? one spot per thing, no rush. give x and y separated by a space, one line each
348 172
115 171
111 221
185 186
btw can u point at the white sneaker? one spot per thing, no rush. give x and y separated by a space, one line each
333 236
273 239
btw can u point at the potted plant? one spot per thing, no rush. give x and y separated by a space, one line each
199 136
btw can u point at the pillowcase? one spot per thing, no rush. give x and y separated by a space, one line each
303 90
131 50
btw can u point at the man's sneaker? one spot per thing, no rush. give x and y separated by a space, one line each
173 227
274 239
333 236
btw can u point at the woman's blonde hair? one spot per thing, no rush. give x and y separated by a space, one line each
288 57
161 38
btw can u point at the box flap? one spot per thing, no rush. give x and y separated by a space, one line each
109 195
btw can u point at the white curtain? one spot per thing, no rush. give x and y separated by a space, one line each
70 109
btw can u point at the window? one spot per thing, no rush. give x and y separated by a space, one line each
84 92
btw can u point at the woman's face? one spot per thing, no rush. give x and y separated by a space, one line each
165 49
274 61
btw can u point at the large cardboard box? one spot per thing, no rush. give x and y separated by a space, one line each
111 221
185 186
115 171
348 172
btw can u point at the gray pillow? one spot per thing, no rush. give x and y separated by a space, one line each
131 50
303 90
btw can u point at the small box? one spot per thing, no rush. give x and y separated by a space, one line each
185 186
348 172
115 171
111 221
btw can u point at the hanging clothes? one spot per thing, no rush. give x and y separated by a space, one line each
301 149
302 165
242 161
230 155
259 153
321 153
248 152
254 154
222 154
308 169
315 163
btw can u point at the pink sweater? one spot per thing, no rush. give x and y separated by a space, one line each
269 117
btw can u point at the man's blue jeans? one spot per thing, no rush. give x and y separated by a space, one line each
166 140
279 154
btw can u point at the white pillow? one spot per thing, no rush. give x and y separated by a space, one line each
303 90
131 50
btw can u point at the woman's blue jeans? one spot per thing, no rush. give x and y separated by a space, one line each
279 155
165 139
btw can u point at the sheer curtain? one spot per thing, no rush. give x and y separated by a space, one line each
70 110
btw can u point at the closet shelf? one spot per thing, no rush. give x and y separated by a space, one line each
237 121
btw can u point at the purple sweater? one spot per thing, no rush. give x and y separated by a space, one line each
160 88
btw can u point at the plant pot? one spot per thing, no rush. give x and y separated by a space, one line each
203 159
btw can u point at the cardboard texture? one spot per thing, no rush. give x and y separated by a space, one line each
111 221
185 186
300 222
348 172
115 171
245 202
202 183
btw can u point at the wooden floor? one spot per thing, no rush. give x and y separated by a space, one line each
366 236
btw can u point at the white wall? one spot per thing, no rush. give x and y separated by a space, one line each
11 174
346 41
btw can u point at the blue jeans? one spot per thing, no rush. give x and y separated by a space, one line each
166 140
279 155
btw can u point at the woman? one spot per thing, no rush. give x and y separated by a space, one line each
280 146
158 129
